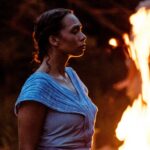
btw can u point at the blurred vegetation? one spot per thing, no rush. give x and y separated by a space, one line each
99 68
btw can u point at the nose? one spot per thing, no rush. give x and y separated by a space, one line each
83 37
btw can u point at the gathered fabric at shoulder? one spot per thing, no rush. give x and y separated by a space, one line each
40 87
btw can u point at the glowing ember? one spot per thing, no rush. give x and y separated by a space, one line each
113 42
134 127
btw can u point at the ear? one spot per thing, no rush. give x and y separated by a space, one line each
53 40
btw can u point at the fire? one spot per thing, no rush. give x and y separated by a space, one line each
113 42
134 127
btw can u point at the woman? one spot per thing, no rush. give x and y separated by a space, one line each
54 110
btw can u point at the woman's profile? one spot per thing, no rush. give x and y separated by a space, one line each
53 108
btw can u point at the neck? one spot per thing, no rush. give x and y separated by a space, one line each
54 64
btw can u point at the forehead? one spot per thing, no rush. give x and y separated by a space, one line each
70 20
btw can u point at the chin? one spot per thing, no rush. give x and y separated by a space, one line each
78 54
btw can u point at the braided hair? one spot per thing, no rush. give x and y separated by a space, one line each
48 23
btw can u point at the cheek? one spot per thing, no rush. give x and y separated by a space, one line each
69 42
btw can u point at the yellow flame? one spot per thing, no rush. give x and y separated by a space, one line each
134 127
113 42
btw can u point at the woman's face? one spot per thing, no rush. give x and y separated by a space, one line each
71 39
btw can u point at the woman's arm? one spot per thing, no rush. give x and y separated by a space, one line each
31 117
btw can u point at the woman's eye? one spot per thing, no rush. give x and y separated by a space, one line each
75 31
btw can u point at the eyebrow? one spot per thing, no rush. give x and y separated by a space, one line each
76 26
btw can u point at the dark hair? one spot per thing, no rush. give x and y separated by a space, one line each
48 23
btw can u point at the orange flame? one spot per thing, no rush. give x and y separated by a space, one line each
113 42
134 127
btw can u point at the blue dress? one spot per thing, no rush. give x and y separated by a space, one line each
69 123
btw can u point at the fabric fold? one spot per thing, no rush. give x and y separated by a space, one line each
42 88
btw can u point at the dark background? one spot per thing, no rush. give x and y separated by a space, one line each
100 67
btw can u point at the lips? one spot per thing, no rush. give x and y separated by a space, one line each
83 46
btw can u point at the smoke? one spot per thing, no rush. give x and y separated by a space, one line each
145 4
